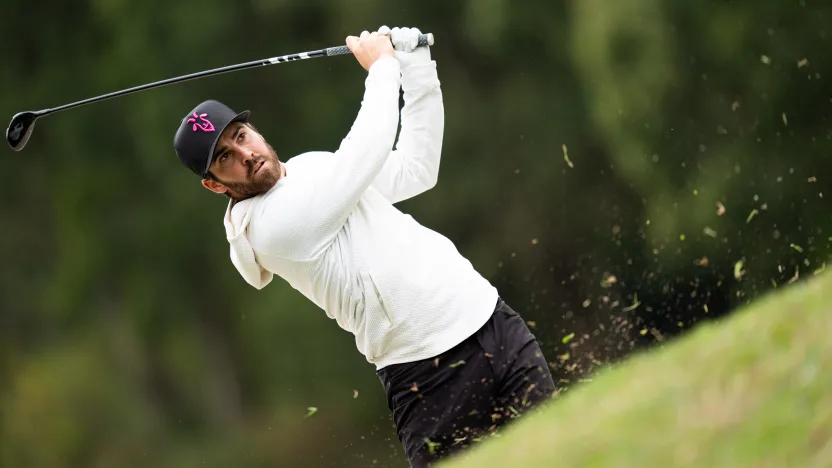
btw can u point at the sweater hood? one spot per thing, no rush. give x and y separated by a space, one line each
237 218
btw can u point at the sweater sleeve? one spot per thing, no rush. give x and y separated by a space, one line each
304 224
413 167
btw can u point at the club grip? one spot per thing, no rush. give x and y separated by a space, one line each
424 40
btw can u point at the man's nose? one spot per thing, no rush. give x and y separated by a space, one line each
248 156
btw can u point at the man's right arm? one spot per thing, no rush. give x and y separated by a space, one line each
316 211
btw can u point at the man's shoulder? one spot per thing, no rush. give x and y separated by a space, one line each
307 157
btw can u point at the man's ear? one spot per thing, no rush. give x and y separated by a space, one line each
214 186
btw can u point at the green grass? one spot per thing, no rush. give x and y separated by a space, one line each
753 390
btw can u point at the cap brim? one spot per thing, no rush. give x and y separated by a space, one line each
241 117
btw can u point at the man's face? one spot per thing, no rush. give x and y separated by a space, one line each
244 164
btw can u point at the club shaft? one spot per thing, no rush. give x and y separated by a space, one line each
424 39
193 76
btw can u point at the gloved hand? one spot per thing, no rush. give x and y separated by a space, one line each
405 48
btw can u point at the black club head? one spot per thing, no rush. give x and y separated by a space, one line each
20 129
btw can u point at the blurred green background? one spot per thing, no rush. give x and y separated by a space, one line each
698 142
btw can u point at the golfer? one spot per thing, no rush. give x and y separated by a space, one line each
455 361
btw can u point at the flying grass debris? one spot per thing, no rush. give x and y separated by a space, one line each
608 281
431 445
751 216
720 209
796 247
458 363
635 305
738 271
310 411
566 156
710 232
567 338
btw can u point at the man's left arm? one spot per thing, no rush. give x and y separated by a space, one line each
413 166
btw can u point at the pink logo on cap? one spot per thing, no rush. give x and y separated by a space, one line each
206 126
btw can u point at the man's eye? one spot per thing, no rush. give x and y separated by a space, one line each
224 158
241 136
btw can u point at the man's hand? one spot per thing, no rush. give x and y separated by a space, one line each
405 42
370 47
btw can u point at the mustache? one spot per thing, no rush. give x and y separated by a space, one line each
255 163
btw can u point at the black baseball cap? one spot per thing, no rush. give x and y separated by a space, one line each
199 131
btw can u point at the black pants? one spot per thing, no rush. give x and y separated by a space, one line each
445 404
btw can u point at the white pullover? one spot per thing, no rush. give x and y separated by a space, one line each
329 228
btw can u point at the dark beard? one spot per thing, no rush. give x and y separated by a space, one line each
260 182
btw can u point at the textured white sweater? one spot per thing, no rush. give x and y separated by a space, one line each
329 228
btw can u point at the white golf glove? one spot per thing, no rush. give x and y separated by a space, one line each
405 41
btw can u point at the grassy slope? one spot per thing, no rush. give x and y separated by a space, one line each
754 390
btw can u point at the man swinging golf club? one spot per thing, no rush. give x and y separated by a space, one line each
455 361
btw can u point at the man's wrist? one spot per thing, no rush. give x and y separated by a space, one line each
385 62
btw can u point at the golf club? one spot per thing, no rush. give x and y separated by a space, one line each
23 123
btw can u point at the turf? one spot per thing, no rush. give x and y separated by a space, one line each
752 390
